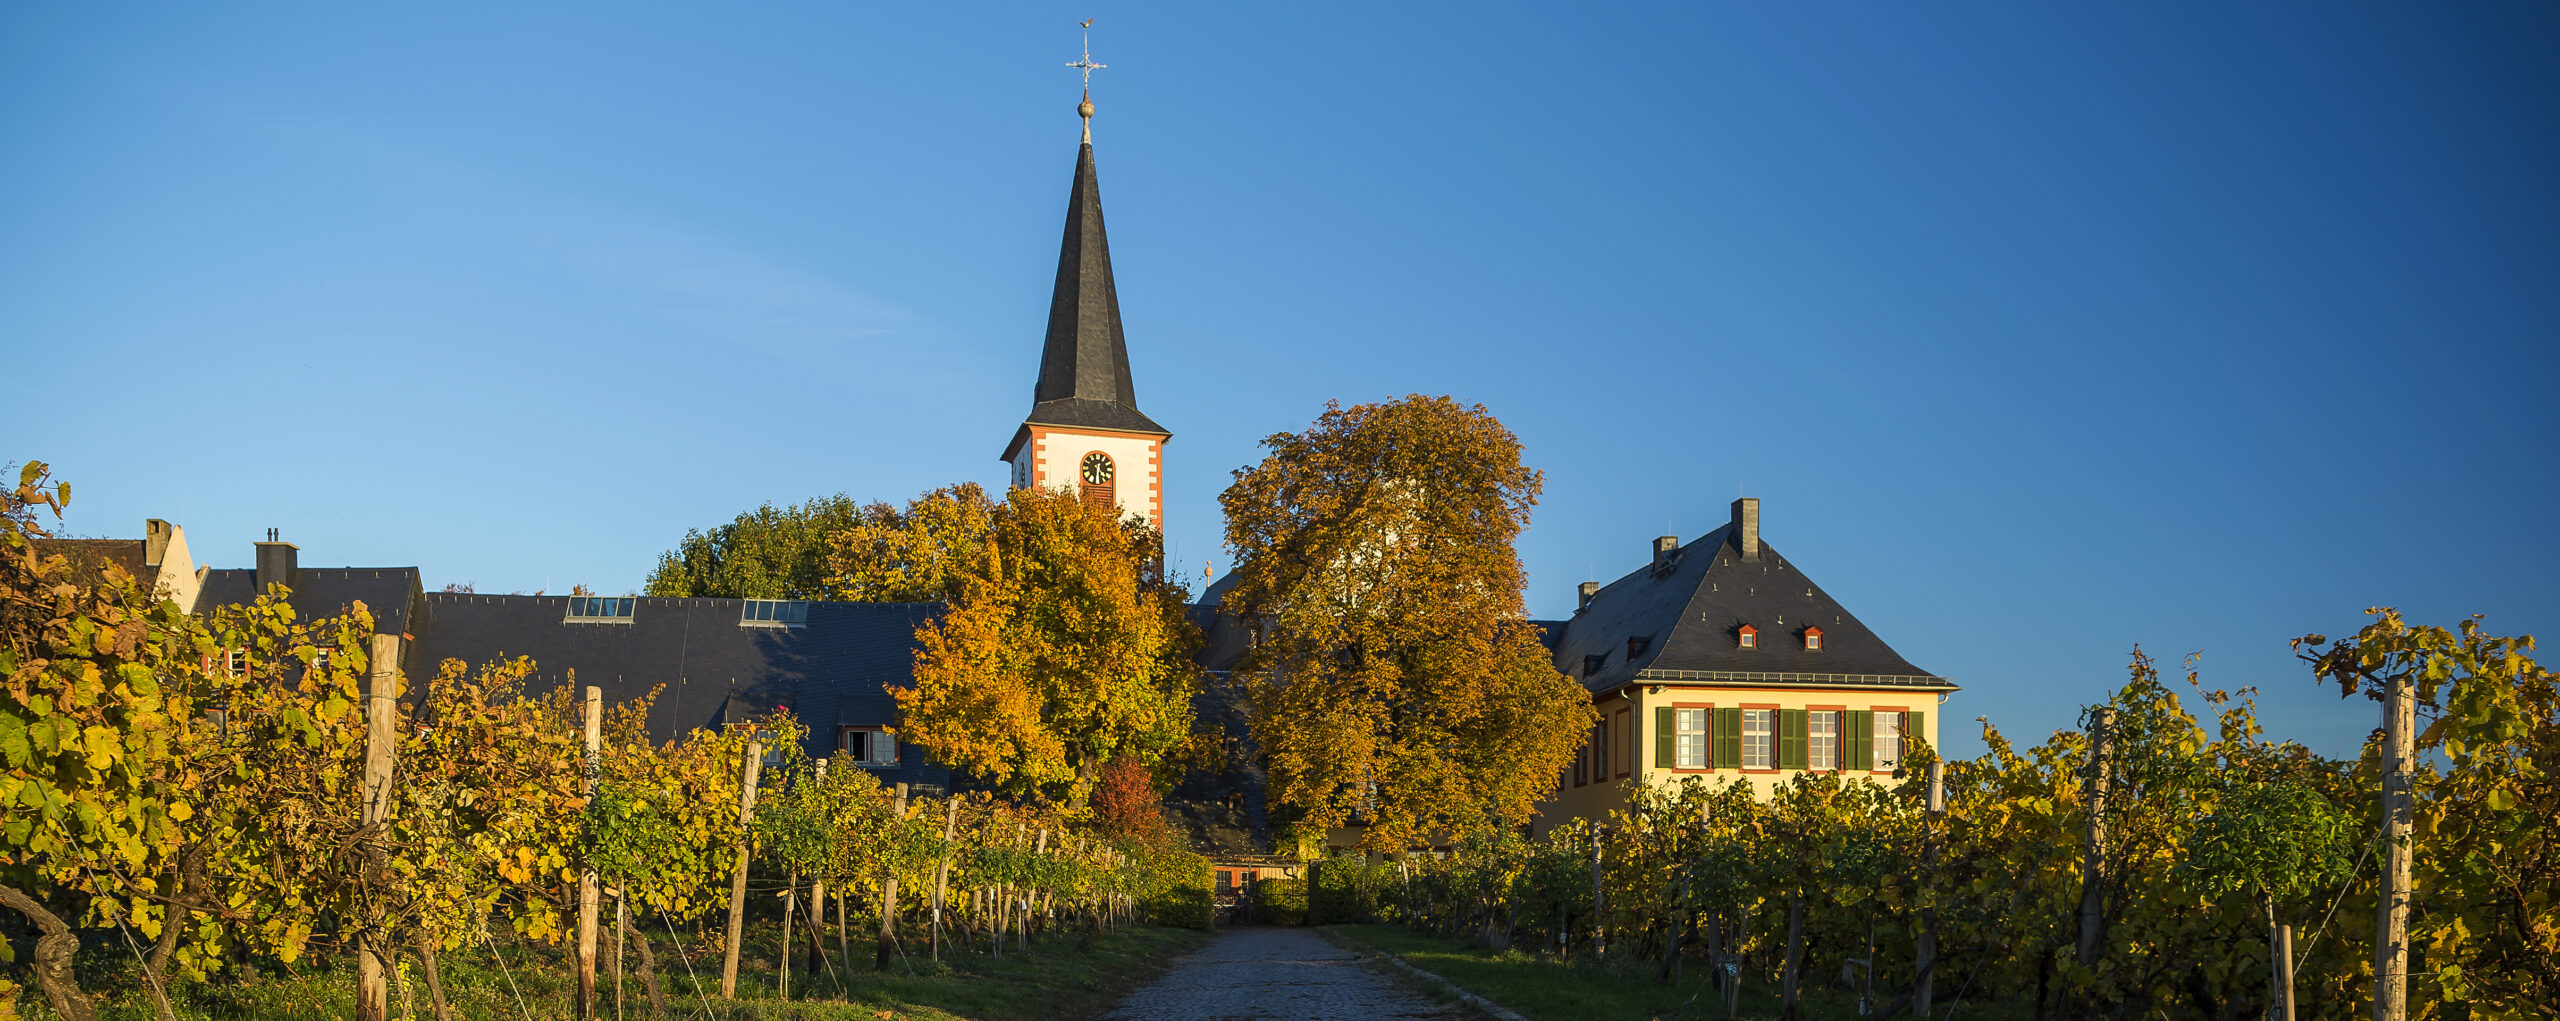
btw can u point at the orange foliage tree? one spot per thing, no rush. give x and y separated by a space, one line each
1063 649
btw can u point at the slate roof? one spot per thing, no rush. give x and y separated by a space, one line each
1084 362
389 593
88 558
1688 614
714 670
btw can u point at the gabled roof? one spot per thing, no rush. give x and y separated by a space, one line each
1084 363
1689 611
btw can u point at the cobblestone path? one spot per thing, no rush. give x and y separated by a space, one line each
1275 973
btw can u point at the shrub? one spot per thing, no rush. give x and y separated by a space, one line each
1279 901
1183 907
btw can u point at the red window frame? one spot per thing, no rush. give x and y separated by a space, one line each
1745 750
1839 751
1900 734
1710 767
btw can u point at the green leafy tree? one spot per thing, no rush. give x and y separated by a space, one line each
766 553
917 555
1395 678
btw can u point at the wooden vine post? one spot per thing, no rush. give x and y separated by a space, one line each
587 875
2391 915
817 906
382 709
738 882
1925 978
942 869
1599 927
2094 847
889 891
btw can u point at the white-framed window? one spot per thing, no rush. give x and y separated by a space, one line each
867 746
1690 730
1813 639
1888 731
599 610
773 613
235 661
1748 637
1822 749
1759 738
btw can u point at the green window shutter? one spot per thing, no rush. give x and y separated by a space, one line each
1727 746
1862 740
1664 737
1915 731
1793 727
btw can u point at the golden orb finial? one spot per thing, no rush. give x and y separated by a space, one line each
1085 109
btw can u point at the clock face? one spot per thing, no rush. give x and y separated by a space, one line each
1097 468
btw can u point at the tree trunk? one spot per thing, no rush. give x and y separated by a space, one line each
648 966
52 965
434 974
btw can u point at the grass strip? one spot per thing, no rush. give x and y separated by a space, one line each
1058 978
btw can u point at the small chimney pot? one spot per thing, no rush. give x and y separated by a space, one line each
1588 590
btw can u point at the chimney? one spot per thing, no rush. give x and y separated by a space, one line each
155 541
275 563
1663 548
1746 526
1588 590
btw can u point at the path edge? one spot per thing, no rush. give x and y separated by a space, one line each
1491 1009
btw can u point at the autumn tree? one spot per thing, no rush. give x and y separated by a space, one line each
1126 802
1064 648
1395 678
766 553
916 555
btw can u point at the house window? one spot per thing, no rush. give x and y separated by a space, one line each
1226 880
1636 647
1888 739
1582 766
773 613
1759 735
599 610
1813 639
1749 637
1591 664
1822 727
1600 752
1622 742
867 746
1690 730
235 662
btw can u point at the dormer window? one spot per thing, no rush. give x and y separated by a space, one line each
599 610
1591 664
773 613
1636 647
1813 639
1747 637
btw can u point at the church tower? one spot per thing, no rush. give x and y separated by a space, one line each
1085 433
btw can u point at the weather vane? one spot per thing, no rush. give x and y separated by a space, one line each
1085 64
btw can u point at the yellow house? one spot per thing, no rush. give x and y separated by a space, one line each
1720 660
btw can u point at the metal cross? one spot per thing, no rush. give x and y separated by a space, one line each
1086 64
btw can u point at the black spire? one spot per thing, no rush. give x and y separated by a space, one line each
1084 366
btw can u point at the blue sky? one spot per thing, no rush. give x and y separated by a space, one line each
2041 330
